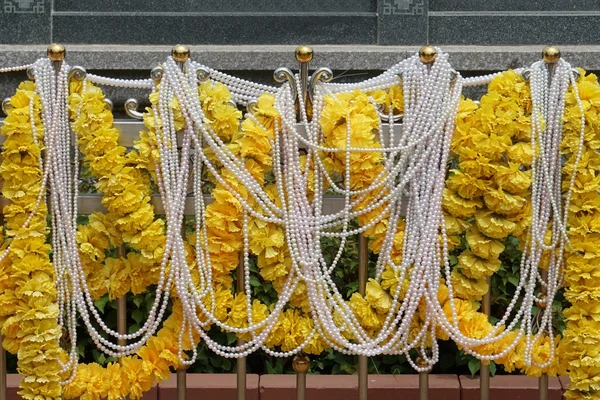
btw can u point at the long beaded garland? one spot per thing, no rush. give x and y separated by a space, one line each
295 203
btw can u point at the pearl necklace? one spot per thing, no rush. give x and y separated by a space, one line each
548 97
424 144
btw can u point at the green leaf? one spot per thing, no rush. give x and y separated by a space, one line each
133 328
138 300
492 368
474 366
231 338
138 316
101 302
254 281
514 280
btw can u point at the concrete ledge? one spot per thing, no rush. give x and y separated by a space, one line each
269 57
513 387
209 387
344 387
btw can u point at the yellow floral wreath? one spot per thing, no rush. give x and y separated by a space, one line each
580 347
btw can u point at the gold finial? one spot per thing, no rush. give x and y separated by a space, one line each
427 54
56 52
551 55
180 53
301 363
304 53
422 363
541 302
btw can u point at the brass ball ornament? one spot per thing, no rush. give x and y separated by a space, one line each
180 53
427 54
301 363
304 53
56 52
551 55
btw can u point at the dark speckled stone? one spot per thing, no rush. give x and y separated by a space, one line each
513 5
402 22
221 6
25 22
220 29
511 30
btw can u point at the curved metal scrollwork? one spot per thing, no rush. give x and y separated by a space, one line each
202 73
6 105
156 74
131 106
108 104
78 73
282 75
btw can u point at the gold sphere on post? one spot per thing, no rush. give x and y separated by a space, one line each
421 363
427 54
56 52
551 55
180 53
304 53
301 363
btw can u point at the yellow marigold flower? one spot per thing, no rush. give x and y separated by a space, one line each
316 346
137 375
476 326
482 246
457 206
502 202
377 297
455 226
520 153
363 311
266 237
465 185
114 375
92 243
493 225
492 146
273 268
466 288
476 165
475 267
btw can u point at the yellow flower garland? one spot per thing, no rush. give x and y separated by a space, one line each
28 309
580 347
486 197
124 182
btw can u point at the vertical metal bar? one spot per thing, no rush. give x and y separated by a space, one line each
241 362
301 363
304 55
122 319
543 387
543 381
363 273
484 371
423 385
121 306
181 383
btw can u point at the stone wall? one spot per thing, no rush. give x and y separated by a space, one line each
365 22
250 38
